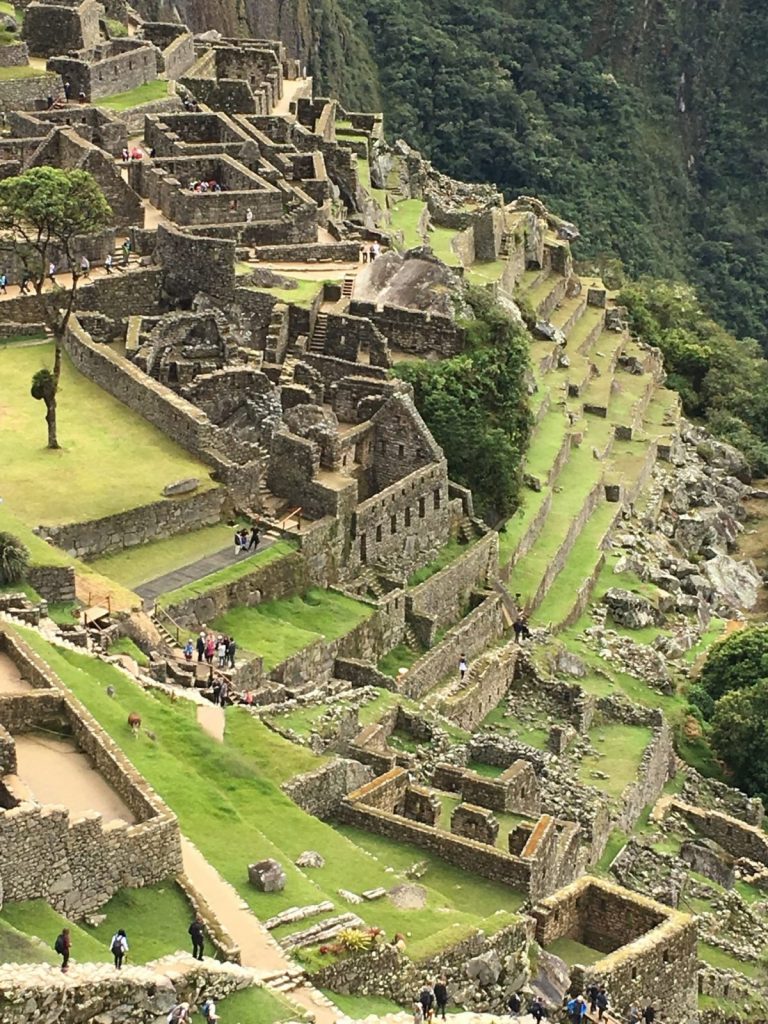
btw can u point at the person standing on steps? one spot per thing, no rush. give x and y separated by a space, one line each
188 650
231 652
63 946
515 1005
3 283
198 937
118 947
108 263
441 997
463 667
208 1010
602 1003
126 247
593 989
85 266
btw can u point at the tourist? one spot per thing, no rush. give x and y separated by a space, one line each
108 263
188 649
52 272
24 286
210 648
243 540
255 538
81 96
249 215
231 652
215 689
463 667
593 989
522 632
125 154
649 1014
200 645
634 1015
85 266
441 997
238 543
63 945
67 89
224 694
179 1014
536 1010
126 252
576 1008
375 251
363 253
118 947
4 283
418 1013
427 1000
602 1003
248 696
208 1011
515 1004
197 935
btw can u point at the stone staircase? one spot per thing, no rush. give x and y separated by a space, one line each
347 286
319 333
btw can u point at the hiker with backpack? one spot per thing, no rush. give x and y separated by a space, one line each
208 1010
118 947
62 946
179 1014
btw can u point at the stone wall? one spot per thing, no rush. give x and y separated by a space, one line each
320 792
164 518
470 637
116 73
76 863
193 263
28 93
53 582
656 768
51 28
14 55
651 948
486 682
445 596
413 331
736 837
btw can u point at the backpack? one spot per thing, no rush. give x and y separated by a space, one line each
116 946
59 946
205 1009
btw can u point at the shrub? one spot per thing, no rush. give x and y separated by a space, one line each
14 560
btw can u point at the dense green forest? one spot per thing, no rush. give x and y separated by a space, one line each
636 120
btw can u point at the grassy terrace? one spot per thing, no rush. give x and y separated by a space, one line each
13 74
228 575
488 272
277 629
95 431
228 799
621 749
146 93
449 553
149 561
304 294
440 241
405 216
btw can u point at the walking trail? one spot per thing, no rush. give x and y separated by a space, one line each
195 571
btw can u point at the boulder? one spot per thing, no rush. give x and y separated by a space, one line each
8 23
737 584
181 487
548 331
631 610
267 876
570 664
310 859
484 969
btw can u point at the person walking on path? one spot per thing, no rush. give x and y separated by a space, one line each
593 989
634 1015
179 1014
418 1013
210 648
231 652
221 651
200 645
255 538
521 629
85 266
63 946
126 247
427 1000
188 650
24 286
441 997
118 947
602 1003
536 1010
208 1010
515 1005
108 263
52 272
238 543
198 937
4 283
463 667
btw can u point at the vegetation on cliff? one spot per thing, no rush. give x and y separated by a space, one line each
476 406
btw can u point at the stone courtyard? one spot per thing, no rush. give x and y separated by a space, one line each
379 817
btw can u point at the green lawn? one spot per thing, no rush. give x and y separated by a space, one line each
719 958
228 799
126 646
448 553
486 273
536 733
622 748
156 90
358 1007
26 71
574 952
399 657
155 919
232 572
256 1004
440 240
111 459
149 561
405 217
277 629
303 294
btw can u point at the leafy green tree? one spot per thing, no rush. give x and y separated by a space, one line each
42 211
736 663
14 559
738 736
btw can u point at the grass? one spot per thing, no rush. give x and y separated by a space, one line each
616 841
535 734
573 952
405 217
515 528
448 554
27 71
486 273
102 467
255 1004
145 562
277 629
156 90
124 645
440 242
228 575
719 958
304 294
358 1007
228 799
399 657
16 947
621 748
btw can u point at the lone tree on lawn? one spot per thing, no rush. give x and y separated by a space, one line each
43 213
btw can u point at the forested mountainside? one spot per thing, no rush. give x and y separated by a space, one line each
638 120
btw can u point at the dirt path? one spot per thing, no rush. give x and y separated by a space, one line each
211 720
11 680
258 950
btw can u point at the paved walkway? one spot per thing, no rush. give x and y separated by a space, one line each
196 571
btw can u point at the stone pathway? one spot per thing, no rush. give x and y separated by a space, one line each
258 950
195 571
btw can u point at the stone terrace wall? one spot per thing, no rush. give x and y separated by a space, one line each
320 792
470 637
177 418
28 93
444 596
413 331
53 582
163 518
487 681
736 837
657 767
652 949
77 863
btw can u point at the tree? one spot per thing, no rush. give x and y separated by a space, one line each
738 736
736 663
43 212
14 559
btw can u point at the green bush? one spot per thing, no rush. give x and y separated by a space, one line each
735 663
14 560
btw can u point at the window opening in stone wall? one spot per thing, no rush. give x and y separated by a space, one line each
378 534
437 498
401 450
393 524
665 956
422 508
407 517
634 973
363 549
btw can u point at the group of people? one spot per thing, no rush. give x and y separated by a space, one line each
26 281
370 252
209 646
207 186
576 1005
432 1001
134 153
245 542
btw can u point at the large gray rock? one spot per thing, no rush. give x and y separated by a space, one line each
267 876
631 610
484 969
181 487
737 584
310 859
